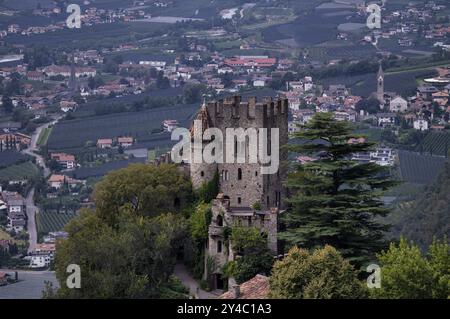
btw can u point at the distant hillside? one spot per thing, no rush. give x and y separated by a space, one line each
419 168
428 215
437 143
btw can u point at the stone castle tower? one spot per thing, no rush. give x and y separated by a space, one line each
243 184
380 86
246 197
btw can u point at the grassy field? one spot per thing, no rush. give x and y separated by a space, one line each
26 170
43 137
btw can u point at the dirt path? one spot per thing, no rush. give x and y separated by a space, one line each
187 280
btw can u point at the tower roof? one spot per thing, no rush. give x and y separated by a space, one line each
380 70
202 116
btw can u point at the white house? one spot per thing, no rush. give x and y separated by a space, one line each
382 156
398 104
40 261
420 124
385 119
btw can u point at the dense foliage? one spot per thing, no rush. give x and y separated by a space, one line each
253 255
430 214
322 274
406 274
335 200
146 190
127 247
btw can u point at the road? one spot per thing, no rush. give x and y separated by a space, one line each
30 284
31 207
31 222
182 273
34 147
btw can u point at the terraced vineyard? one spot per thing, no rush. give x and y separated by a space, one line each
52 221
26 170
75 133
418 168
437 143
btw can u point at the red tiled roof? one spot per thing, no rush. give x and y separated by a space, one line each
255 288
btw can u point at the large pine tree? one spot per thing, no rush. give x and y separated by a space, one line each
334 200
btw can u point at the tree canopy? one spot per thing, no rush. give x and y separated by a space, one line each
407 274
335 200
322 274
127 246
146 190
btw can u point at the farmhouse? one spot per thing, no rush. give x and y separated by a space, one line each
67 161
251 62
125 141
56 181
420 124
15 209
65 70
104 143
45 249
14 140
170 125
67 106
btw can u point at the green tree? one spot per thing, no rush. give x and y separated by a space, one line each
208 191
147 190
7 104
199 222
335 200
133 258
253 255
322 274
406 274
192 93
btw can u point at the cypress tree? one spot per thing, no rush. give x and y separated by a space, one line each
335 200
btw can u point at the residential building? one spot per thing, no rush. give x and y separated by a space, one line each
421 125
398 104
125 141
104 143
67 161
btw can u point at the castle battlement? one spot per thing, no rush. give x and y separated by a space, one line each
233 108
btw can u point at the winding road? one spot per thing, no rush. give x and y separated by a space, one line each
31 207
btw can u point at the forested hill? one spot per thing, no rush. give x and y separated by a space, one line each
430 214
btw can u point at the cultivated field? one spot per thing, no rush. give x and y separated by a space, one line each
10 157
417 168
26 170
140 125
52 221
437 143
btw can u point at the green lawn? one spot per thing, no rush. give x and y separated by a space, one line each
43 137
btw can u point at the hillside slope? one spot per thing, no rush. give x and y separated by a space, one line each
429 215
